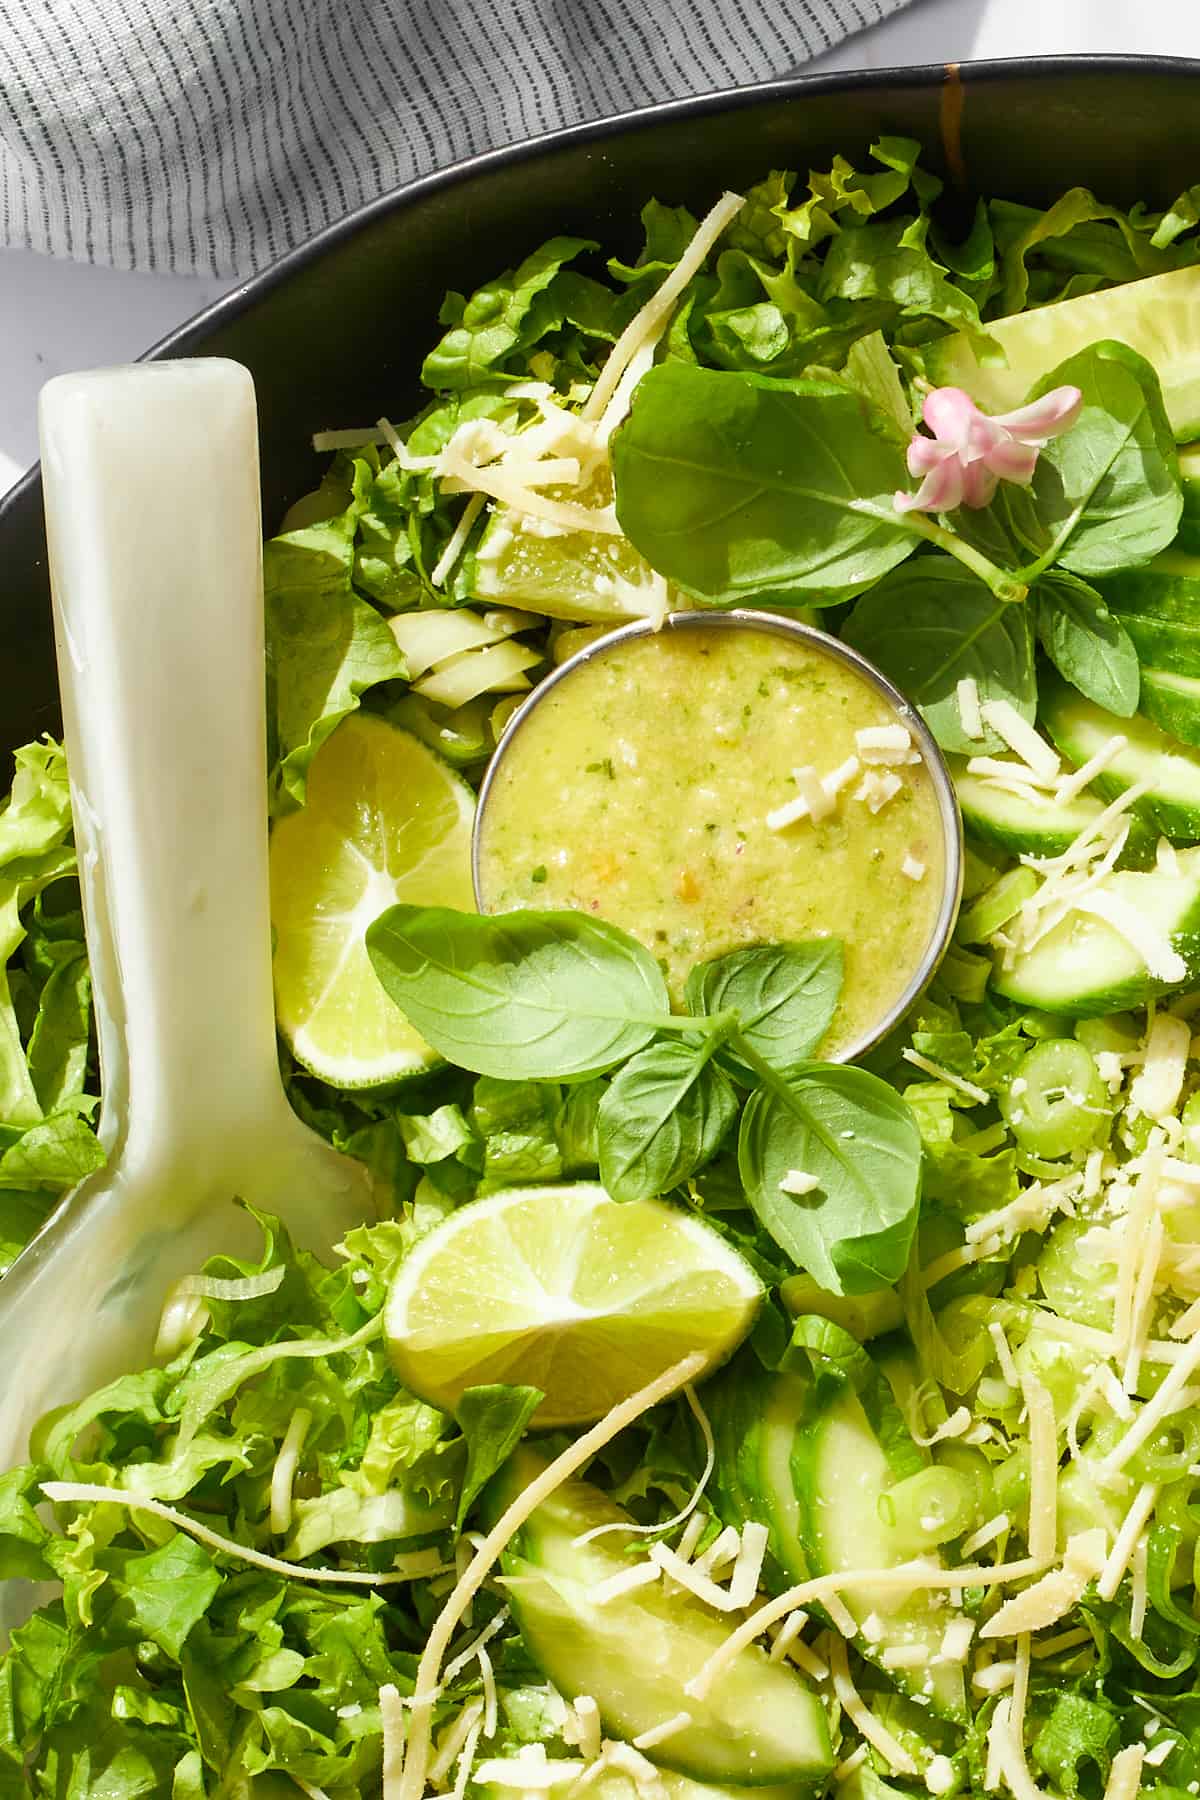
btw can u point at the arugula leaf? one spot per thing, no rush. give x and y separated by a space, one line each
741 488
663 1117
493 1421
502 318
541 995
1108 490
1087 644
325 646
932 624
857 1137
785 996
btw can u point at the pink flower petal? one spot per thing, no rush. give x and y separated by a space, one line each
925 453
1043 419
1012 461
941 490
980 482
950 413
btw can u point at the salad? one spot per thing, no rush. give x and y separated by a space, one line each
699 1416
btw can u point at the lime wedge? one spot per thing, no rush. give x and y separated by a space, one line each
561 1289
586 575
386 820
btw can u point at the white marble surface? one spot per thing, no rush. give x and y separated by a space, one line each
57 315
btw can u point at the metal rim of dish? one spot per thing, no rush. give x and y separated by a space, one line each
746 618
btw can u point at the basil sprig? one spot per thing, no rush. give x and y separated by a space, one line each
556 996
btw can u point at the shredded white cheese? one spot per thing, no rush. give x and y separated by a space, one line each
956 1640
796 1181
743 1582
625 1581
391 1711
1156 1089
959 1082
283 1474
863 1719
649 320
1123 1549
883 743
969 716
1125 1776
1043 1470
1073 784
876 789
1021 737
1048 1600
987 1534
658 1734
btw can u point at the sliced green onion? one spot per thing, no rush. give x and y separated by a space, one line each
929 1508
1056 1102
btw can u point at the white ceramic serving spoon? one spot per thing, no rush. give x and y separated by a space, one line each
152 506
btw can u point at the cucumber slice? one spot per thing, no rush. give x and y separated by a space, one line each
1035 827
1158 317
1079 729
843 1473
1085 968
755 1417
1159 606
761 1723
1173 702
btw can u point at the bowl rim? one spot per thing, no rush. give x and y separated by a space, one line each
188 338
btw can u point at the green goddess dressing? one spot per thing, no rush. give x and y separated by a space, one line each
661 784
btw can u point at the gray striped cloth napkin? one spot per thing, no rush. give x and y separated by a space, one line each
210 136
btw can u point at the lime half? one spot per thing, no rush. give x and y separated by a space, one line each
386 820
561 1289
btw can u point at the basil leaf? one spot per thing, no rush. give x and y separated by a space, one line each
932 624
857 1137
493 1421
662 1118
785 996
1087 644
738 488
539 996
1108 489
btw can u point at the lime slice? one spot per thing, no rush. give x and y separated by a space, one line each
585 575
562 1289
386 820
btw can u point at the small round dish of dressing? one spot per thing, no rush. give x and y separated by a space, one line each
730 779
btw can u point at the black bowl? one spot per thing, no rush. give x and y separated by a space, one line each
334 334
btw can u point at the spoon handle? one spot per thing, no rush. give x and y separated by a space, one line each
153 524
